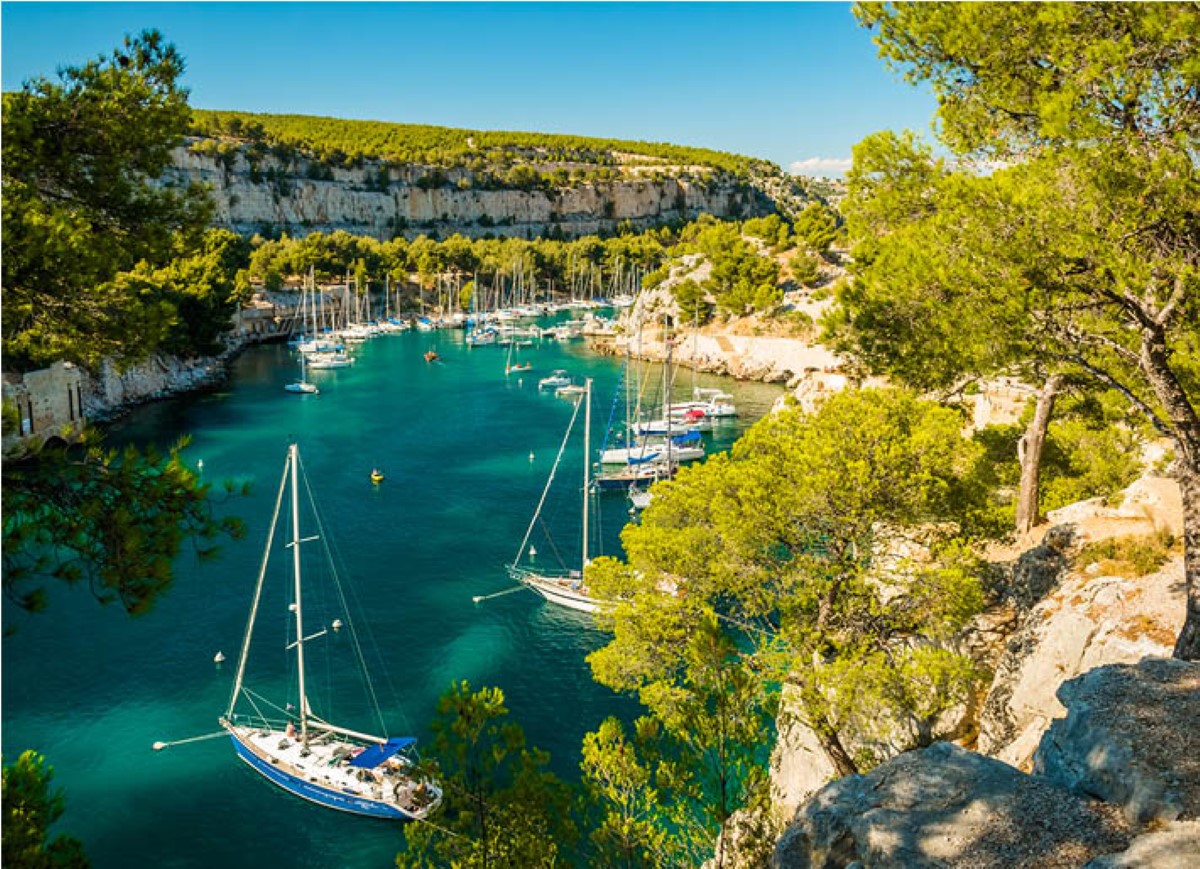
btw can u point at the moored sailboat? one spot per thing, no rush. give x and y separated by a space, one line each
290 744
564 587
302 385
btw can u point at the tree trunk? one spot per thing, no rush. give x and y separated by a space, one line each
1187 646
1184 428
834 750
1030 453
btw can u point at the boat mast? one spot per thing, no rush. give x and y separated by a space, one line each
262 572
587 461
294 461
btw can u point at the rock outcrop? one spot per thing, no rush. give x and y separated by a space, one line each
1084 696
1125 760
1073 622
282 196
1175 847
113 390
1131 737
947 807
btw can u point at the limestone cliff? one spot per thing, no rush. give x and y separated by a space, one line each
387 201
1071 638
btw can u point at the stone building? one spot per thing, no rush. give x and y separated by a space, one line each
48 404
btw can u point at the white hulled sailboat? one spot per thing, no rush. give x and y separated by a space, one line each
289 743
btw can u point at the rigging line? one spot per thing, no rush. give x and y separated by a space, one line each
553 470
159 746
445 830
553 547
262 572
612 411
253 696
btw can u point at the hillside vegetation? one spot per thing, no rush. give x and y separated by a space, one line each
347 143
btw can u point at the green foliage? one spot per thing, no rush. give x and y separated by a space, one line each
782 563
113 520
199 291
77 211
500 806
1078 258
771 229
1084 460
1128 556
1046 74
742 280
489 154
707 743
542 262
619 788
1092 450
30 808
805 268
817 227
1100 212
692 301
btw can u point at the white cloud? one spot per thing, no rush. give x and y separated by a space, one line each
828 166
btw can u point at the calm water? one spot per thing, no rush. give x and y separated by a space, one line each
92 689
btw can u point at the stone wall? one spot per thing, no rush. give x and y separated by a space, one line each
49 403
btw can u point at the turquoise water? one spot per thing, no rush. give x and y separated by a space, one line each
93 689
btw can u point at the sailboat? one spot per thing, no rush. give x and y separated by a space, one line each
302 385
563 587
290 744
511 367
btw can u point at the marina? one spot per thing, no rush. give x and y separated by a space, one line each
466 450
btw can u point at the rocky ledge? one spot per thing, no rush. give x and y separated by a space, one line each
1116 784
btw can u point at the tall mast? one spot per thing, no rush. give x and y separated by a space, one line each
258 586
587 461
667 379
294 460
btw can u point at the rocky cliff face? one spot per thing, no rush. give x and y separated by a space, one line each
1117 783
281 197
1083 696
1085 619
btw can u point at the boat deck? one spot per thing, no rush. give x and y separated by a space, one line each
325 763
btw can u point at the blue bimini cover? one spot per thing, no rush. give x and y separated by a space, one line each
377 754
641 460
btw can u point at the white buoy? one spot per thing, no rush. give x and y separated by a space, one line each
337 624
200 464
533 552
531 457
218 658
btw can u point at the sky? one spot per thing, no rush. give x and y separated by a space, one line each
794 83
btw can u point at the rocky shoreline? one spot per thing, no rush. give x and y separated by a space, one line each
111 392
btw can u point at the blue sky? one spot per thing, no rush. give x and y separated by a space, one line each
787 82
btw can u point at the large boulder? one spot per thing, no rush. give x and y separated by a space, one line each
1089 620
1130 737
1176 846
947 807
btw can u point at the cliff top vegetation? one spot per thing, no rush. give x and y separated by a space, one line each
347 143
